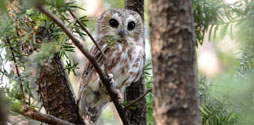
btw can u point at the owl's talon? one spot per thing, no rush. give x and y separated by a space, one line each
111 78
120 97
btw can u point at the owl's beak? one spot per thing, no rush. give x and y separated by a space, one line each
121 33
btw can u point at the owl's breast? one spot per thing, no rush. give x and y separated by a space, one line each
125 63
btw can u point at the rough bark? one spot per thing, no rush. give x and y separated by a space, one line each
135 5
174 62
56 92
137 115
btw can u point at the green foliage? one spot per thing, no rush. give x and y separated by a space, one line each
70 66
218 18
2 6
244 35
230 17
149 96
110 40
35 39
205 13
214 110
230 100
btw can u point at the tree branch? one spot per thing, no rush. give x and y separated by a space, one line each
17 70
105 80
138 99
49 119
91 37
75 41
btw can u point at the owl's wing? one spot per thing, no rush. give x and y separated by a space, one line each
88 69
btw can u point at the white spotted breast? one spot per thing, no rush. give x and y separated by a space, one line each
125 62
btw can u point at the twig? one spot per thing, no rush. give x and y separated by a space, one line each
138 99
49 119
17 70
105 80
91 37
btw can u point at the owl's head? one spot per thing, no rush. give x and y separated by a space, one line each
120 23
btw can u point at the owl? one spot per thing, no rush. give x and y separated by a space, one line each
119 32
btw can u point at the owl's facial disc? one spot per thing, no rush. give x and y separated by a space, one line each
130 26
114 24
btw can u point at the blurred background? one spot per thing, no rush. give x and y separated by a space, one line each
225 59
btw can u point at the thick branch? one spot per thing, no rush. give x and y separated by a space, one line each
31 113
105 80
49 119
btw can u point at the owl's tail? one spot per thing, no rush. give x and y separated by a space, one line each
91 104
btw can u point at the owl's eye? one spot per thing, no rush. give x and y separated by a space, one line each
113 23
131 25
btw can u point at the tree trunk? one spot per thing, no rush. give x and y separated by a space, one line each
135 5
174 62
3 114
56 91
137 115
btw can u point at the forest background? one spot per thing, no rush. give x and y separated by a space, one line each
225 59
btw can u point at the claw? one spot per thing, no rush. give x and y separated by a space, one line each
111 77
119 95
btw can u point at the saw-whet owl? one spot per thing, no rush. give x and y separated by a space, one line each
124 59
